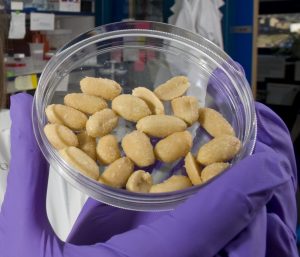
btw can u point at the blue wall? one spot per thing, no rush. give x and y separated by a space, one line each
239 13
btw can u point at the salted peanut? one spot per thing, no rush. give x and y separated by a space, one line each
139 181
138 148
214 123
101 123
81 161
118 172
153 102
186 108
108 149
173 147
65 115
105 88
88 104
60 136
219 149
87 144
176 182
160 125
193 169
172 88
130 107
213 169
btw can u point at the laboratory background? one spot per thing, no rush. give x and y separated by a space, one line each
262 35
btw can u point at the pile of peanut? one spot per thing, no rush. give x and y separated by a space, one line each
82 128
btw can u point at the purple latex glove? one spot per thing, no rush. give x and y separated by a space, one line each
201 226
272 231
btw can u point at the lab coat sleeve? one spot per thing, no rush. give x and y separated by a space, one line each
199 16
64 202
4 161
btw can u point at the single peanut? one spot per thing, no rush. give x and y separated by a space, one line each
138 148
60 136
212 170
130 107
193 169
176 182
173 147
87 144
186 108
81 161
139 181
160 125
65 115
153 102
108 149
101 123
88 104
214 123
172 88
105 88
118 172
219 149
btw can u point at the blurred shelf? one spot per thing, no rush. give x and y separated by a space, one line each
28 11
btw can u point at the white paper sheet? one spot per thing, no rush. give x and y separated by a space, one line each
17 26
16 5
41 21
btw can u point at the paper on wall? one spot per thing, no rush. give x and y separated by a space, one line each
41 21
16 5
17 26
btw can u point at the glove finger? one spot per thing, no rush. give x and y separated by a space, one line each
111 220
280 240
251 241
95 215
28 175
273 133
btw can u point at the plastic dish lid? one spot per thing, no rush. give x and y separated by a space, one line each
149 53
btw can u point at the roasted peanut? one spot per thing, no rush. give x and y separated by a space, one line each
219 149
172 88
176 182
88 104
60 136
193 169
153 102
87 144
105 88
118 172
139 181
173 147
186 108
138 148
108 149
65 115
214 123
81 161
130 107
212 170
101 123
160 125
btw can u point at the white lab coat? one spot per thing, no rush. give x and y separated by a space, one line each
199 16
64 202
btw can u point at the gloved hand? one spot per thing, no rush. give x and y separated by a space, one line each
201 226
270 233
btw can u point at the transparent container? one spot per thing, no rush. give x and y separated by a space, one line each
149 53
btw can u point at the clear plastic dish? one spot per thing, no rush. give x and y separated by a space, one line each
141 53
